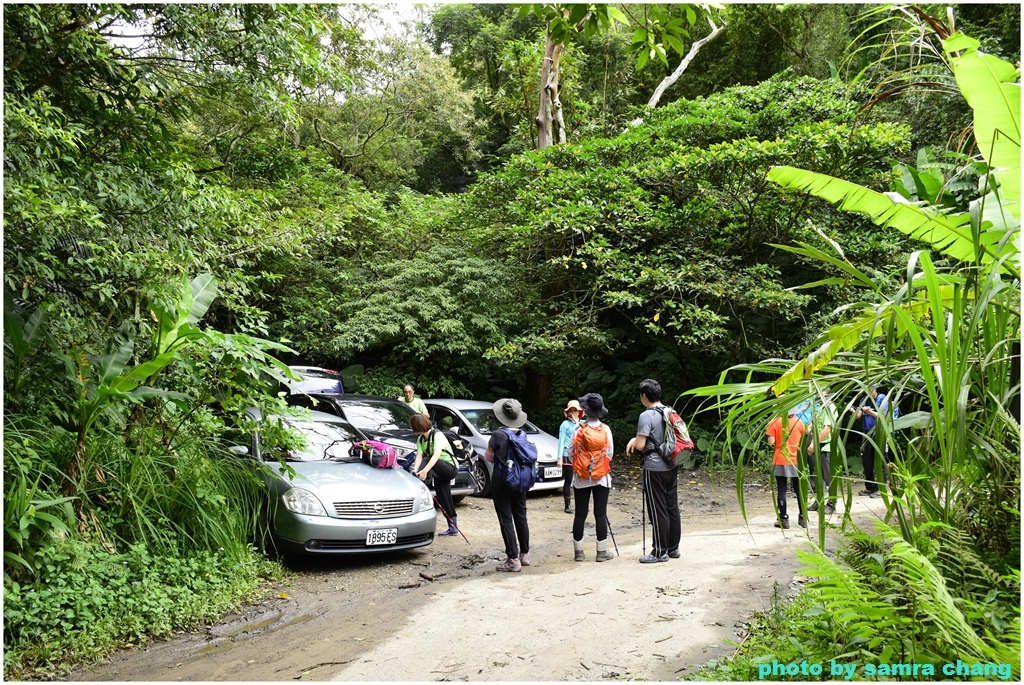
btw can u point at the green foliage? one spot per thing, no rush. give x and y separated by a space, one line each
660 231
883 600
88 601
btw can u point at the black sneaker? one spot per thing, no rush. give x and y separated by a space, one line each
813 507
784 524
802 522
674 554
867 493
829 508
875 495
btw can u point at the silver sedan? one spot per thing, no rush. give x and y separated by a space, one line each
335 503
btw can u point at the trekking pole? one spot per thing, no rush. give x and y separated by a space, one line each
609 524
643 519
451 520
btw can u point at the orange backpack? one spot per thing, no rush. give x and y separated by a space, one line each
590 453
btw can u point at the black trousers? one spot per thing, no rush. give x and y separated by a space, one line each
868 456
567 482
780 487
443 473
600 493
510 506
661 495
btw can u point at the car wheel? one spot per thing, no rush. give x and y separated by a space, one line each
483 479
458 498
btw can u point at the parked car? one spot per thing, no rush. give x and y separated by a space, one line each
387 420
316 379
476 421
336 503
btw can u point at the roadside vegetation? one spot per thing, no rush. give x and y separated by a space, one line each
195 196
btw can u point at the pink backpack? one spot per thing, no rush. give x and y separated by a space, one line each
374 453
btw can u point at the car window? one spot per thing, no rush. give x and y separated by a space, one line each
321 441
486 422
378 416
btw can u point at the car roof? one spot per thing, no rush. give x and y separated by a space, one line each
461 404
349 398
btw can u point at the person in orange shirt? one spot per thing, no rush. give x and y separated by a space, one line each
786 442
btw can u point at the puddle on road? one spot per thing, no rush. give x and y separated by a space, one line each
226 640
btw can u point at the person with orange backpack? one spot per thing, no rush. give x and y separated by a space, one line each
591 451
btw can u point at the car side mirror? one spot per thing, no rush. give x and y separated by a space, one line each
239 450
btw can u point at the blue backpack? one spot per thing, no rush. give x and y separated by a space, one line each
520 468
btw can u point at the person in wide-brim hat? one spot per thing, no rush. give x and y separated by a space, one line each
509 504
573 405
593 406
510 412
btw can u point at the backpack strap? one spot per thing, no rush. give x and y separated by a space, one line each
654 441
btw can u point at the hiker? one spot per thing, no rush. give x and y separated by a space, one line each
823 418
591 451
572 413
659 480
415 403
786 442
433 446
509 504
868 414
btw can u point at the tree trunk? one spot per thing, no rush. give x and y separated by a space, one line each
548 73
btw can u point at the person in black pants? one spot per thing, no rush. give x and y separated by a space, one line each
509 505
660 481
435 455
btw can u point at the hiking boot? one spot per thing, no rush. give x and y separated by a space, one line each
813 507
602 551
875 495
784 523
511 565
801 521
452 528
674 554
524 559
652 559
568 509
577 546
866 492
830 508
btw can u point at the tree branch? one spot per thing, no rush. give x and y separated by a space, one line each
694 49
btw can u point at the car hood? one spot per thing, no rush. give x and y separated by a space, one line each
351 481
547 446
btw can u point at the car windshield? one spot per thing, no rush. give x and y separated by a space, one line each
378 416
486 422
322 441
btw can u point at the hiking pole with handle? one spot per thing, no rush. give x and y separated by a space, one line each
451 520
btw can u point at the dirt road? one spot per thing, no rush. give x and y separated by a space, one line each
444 613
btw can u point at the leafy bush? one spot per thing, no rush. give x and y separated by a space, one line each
87 601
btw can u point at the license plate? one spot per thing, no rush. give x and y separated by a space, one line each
552 471
382 536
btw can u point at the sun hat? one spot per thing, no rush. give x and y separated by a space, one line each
510 412
573 404
593 405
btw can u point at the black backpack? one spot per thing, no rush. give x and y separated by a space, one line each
461 448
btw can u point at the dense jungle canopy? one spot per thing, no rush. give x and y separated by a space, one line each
480 200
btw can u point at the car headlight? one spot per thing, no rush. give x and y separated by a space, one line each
425 499
303 502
